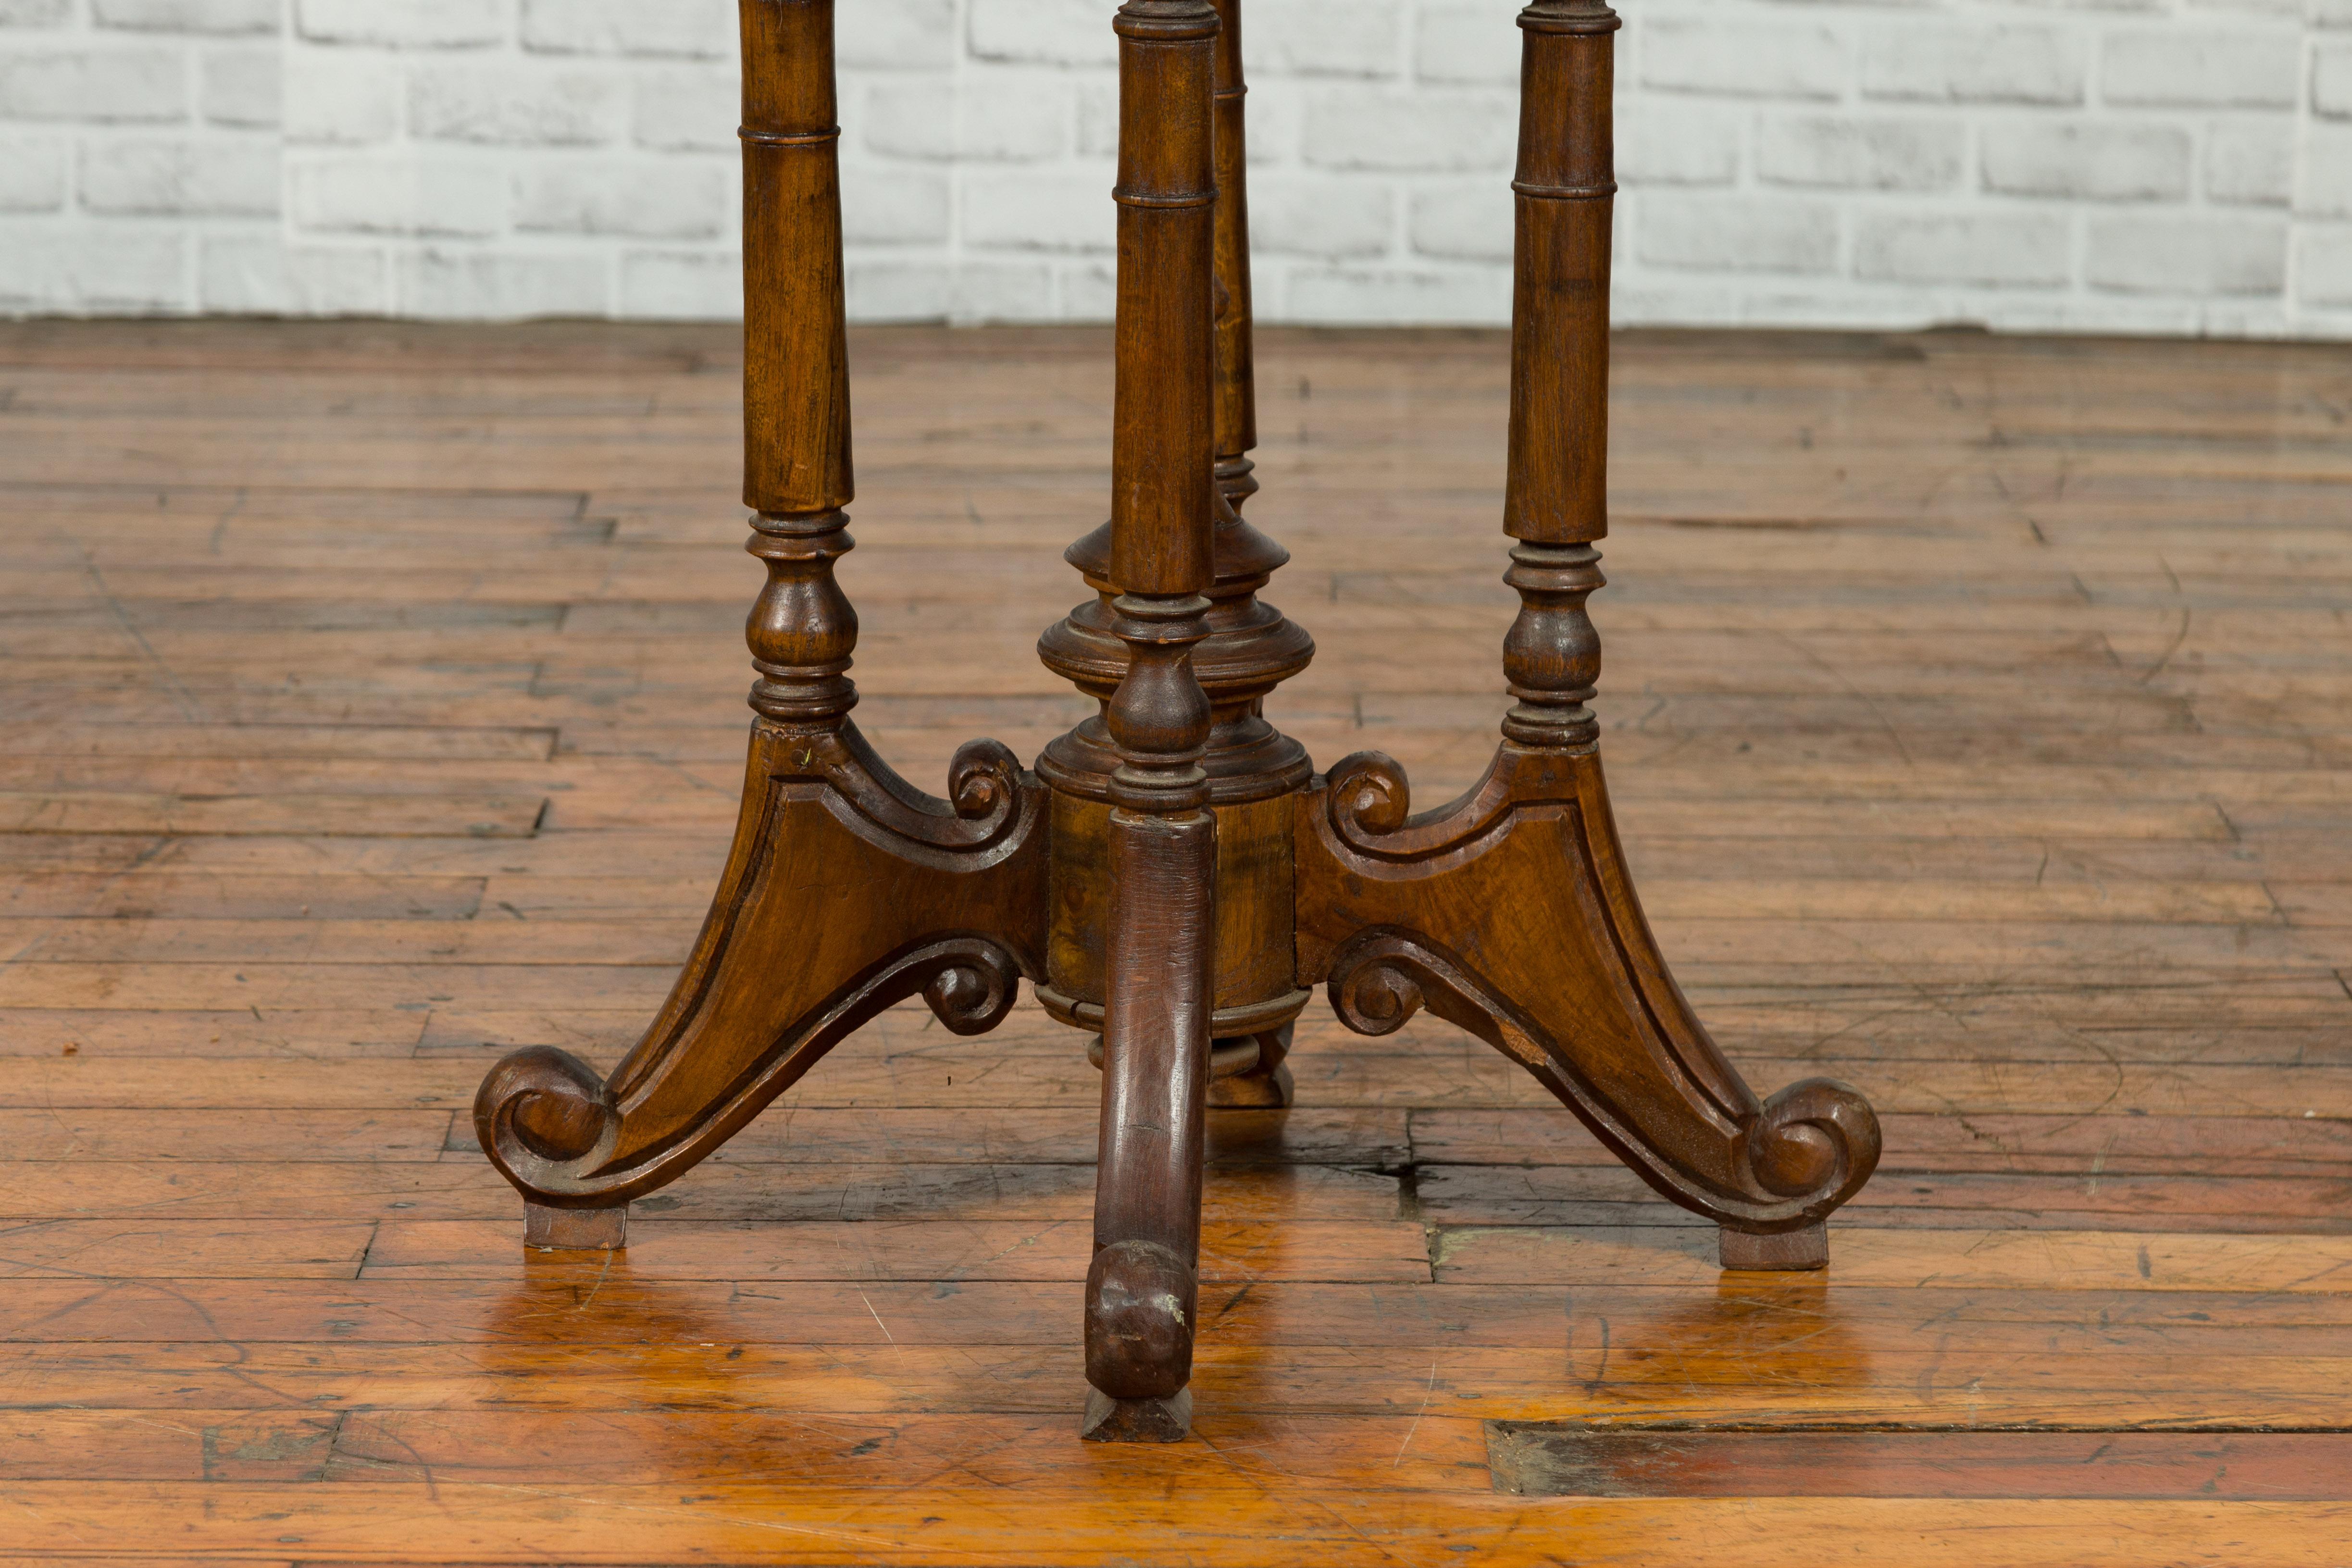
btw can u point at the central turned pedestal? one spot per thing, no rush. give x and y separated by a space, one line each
1173 875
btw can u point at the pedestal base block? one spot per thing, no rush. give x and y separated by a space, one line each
575 1230
1789 1251
1265 1084
1109 1420
1260 1089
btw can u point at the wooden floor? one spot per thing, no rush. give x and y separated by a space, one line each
1981 714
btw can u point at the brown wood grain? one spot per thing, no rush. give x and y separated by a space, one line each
1565 1461
635 1524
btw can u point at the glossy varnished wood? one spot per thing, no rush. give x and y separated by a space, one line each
1975 722
1512 912
846 889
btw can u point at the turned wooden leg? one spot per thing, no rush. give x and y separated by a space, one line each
1143 1287
847 889
1236 386
1252 768
1510 913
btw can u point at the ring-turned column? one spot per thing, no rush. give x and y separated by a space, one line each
1248 648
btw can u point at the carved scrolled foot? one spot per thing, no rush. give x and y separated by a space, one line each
848 891
1816 1136
1141 1306
540 1108
571 1141
1817 1142
1372 992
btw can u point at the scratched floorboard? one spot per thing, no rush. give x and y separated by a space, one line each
1980 720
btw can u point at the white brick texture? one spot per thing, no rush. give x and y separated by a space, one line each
2135 165
243 87
2091 161
189 15
500 105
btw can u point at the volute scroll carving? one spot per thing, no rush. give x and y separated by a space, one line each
562 1135
988 790
1780 1166
1369 804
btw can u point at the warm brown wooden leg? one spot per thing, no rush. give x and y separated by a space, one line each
1143 1290
1510 912
847 889
1250 648
1236 386
1161 838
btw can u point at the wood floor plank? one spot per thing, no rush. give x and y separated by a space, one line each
1465 1074
630 1524
910 1385
176 1249
1600 1195
2044 1142
808 1191
1568 1461
371 816
2090 1260
1231 1250
118 1133
1976 716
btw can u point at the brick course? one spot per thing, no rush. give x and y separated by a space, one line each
188 15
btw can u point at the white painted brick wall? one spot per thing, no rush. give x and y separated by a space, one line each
2141 165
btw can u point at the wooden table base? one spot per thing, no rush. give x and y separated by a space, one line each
1173 873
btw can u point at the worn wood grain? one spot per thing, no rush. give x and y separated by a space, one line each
639 1523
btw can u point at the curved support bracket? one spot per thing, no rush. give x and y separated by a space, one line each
984 783
1546 956
847 891
1368 807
